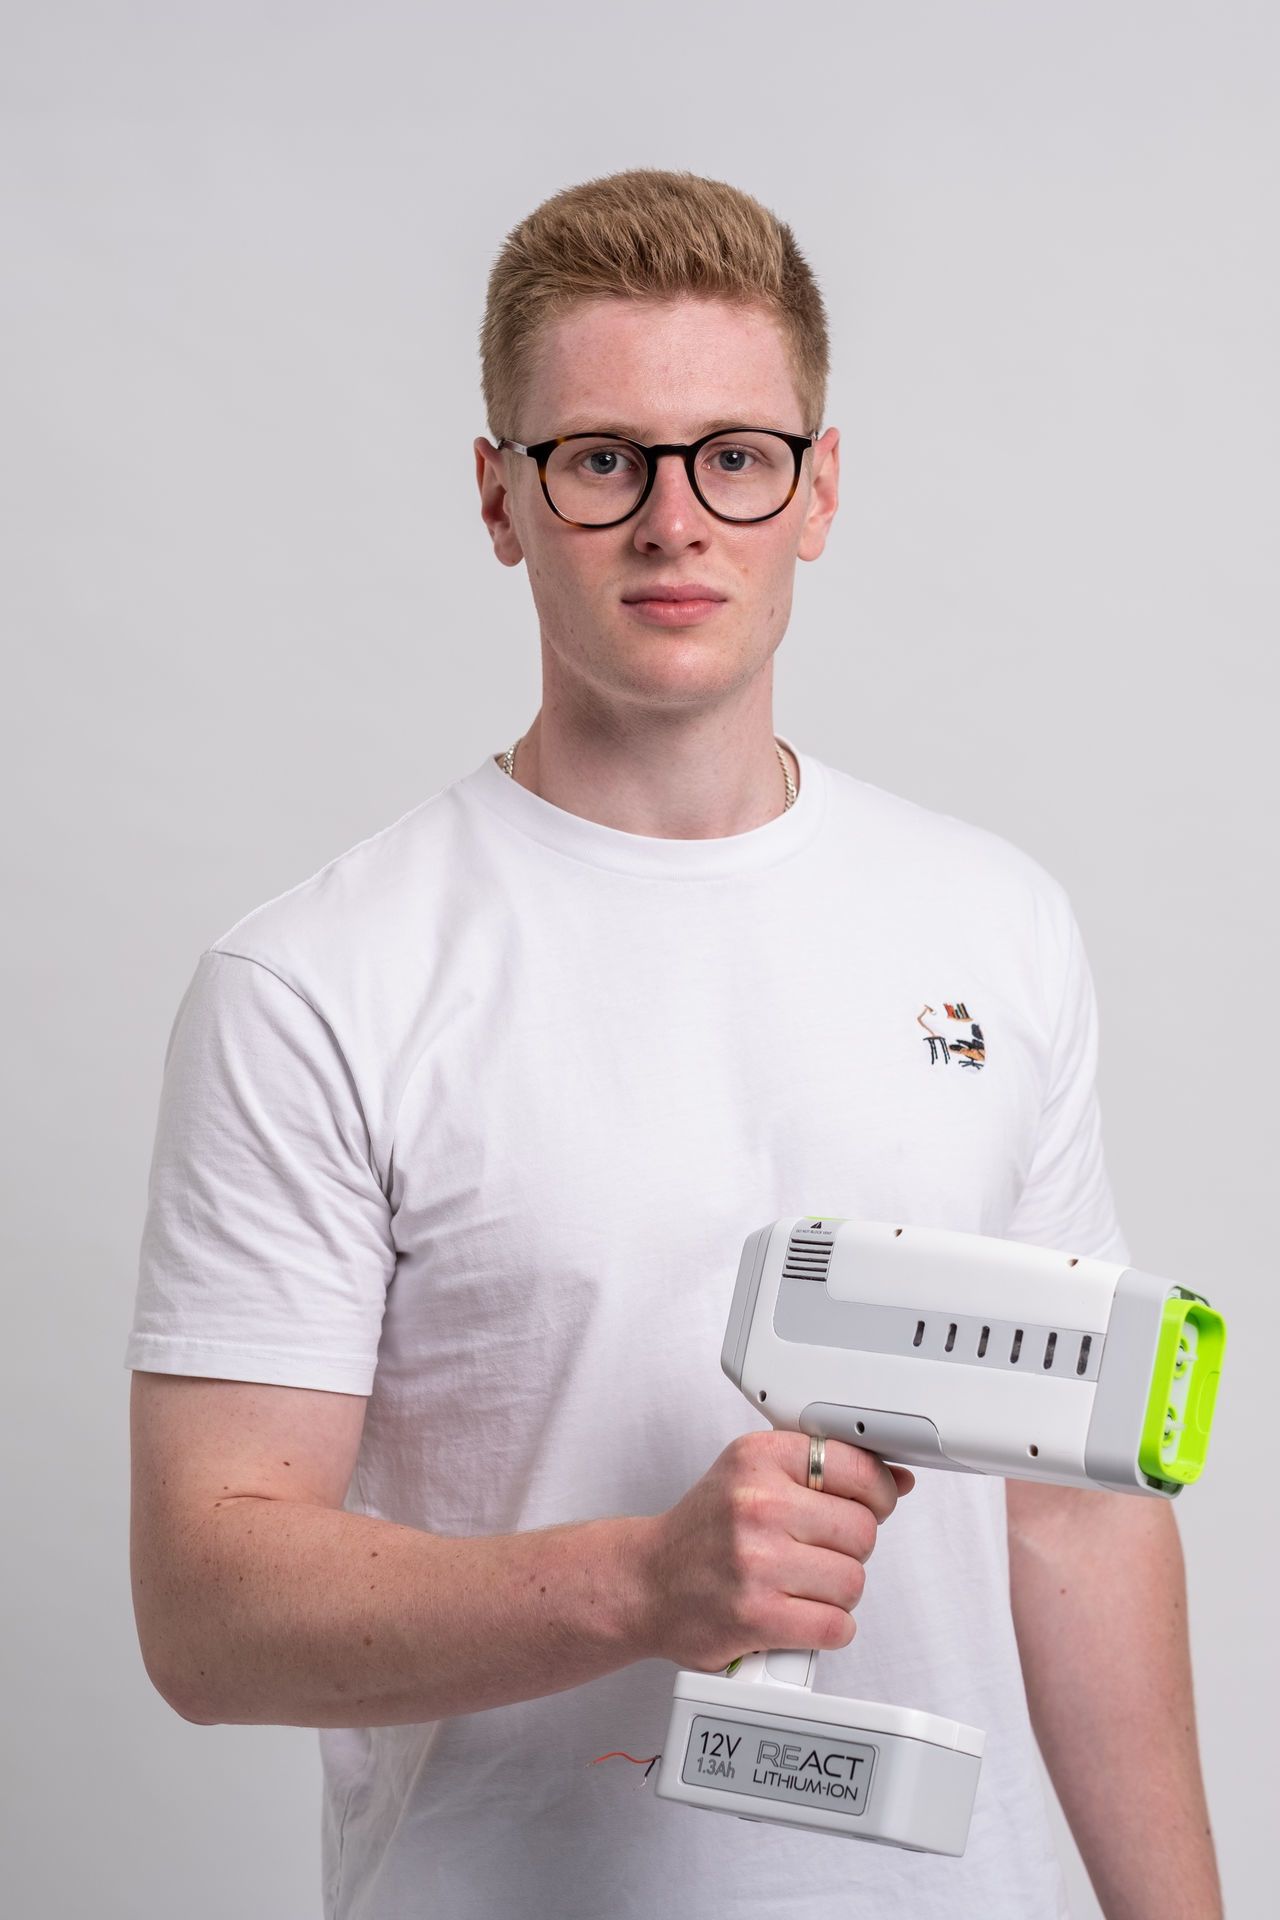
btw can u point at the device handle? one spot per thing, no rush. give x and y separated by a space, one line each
790 1666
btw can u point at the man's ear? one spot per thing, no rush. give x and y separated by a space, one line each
824 495
495 502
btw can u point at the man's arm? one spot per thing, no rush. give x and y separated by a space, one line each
261 1601
1098 1592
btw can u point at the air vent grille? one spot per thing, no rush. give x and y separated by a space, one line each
809 1253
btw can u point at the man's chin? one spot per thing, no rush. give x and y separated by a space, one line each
676 669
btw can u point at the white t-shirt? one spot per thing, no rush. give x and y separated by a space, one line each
475 1121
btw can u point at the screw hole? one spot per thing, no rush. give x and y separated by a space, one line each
763 1394
1073 1262
1033 1450
862 1426
897 1233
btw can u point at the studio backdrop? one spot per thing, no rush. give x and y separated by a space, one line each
251 616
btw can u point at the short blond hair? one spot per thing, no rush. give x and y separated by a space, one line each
648 235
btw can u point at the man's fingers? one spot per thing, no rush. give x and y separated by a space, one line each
853 1474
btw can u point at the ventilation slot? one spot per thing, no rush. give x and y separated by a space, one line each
807 1259
1057 1352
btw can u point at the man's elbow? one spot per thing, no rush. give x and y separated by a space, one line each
194 1714
181 1687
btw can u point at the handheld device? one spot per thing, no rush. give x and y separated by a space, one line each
954 1351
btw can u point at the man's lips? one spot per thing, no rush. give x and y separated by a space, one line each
684 590
682 605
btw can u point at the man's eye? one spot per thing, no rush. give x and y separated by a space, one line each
732 459
602 463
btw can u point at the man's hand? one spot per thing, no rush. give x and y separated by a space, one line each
752 1558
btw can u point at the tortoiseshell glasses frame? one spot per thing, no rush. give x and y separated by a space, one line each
542 451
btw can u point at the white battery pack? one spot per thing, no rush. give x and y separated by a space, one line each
774 1752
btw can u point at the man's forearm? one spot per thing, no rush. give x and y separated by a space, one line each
288 1614
1098 1592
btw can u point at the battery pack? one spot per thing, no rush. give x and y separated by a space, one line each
860 1768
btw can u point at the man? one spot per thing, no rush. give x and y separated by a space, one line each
458 1145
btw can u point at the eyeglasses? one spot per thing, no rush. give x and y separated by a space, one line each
740 474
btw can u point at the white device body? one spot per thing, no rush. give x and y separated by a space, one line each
930 1348
874 1334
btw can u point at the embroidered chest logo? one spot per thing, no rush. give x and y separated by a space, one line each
954 1034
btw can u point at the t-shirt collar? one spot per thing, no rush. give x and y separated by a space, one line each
601 846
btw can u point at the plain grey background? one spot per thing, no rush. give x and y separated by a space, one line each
251 616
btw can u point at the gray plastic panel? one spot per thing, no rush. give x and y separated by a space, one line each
812 1769
905 1439
1124 1382
742 1306
807 1314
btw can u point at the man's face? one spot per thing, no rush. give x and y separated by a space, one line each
657 372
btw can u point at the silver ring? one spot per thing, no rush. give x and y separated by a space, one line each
817 1456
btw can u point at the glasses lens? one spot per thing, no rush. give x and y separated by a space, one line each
595 481
745 475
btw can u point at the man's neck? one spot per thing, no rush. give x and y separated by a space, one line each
696 778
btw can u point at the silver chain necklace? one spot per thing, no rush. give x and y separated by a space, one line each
508 765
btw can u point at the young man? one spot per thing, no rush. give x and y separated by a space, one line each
458 1145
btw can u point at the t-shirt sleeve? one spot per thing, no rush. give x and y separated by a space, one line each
267 1246
1066 1201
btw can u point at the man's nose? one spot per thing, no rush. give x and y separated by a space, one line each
672 516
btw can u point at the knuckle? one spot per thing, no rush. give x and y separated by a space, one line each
757 1445
836 1628
871 1474
759 1507
866 1532
786 1451
745 1506
859 1469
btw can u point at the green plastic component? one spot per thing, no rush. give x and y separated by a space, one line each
1184 1387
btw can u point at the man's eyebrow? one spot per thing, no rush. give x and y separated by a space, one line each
583 424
